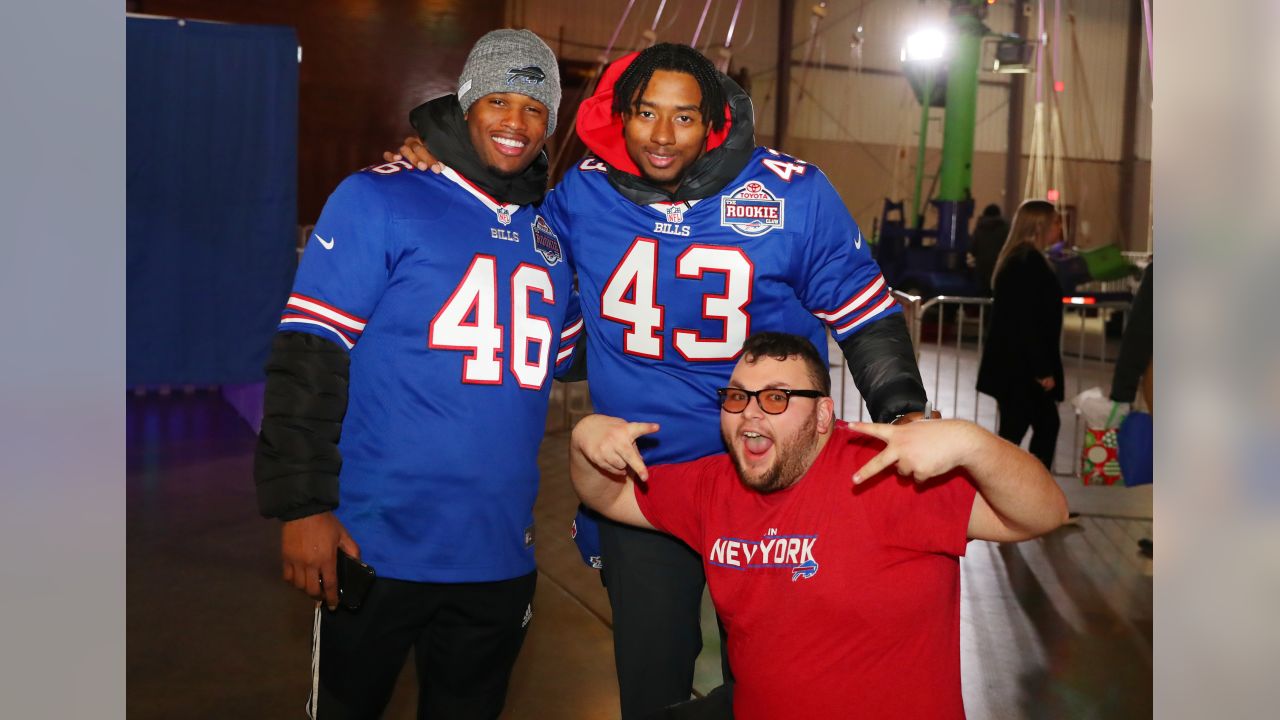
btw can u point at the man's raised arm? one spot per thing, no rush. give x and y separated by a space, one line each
602 458
1017 497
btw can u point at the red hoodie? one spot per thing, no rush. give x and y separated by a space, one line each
601 130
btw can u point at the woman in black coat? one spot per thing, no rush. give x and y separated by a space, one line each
1022 361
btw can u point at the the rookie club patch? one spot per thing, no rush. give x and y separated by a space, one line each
751 210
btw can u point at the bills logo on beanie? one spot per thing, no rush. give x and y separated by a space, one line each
515 61
531 75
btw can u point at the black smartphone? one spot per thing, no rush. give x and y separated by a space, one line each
354 579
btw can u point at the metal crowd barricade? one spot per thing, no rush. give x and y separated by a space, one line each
948 333
964 318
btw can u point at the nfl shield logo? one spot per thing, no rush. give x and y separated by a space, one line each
675 213
546 242
504 216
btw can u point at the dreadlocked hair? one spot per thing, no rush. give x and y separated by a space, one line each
676 58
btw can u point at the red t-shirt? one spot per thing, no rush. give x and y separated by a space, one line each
839 602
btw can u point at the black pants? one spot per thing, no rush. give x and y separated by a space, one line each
1035 408
655 589
465 638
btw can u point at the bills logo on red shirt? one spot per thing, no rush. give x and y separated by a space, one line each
806 569
546 242
751 210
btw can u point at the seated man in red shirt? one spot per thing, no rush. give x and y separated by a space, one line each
831 549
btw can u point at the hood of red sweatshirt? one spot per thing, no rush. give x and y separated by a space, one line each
726 153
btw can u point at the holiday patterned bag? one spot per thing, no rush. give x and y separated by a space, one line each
1099 462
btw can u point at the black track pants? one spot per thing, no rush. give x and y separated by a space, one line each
465 638
655 587
1032 408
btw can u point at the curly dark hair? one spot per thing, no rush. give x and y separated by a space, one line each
781 346
676 58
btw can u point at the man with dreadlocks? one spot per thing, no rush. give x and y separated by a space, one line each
686 238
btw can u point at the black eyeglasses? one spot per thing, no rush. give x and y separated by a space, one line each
771 400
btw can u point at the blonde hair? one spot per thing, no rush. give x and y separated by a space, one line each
1031 223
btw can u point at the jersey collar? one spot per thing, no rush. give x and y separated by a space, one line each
504 211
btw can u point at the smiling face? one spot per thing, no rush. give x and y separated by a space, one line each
665 131
507 130
772 452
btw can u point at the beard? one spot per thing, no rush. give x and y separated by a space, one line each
791 460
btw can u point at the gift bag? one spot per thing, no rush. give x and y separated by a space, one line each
1136 449
1106 262
1099 460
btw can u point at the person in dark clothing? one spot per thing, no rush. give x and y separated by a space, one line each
1134 362
1022 362
989 234
1134 365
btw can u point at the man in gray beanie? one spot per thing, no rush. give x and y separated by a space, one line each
516 61
458 295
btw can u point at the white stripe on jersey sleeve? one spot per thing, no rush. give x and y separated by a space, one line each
350 322
862 299
306 321
571 331
863 318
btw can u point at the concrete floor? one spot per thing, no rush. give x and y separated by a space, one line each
1059 627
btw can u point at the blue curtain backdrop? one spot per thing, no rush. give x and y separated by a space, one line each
212 197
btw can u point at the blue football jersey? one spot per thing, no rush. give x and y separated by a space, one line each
670 292
457 312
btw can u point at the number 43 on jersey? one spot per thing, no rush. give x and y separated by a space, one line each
630 297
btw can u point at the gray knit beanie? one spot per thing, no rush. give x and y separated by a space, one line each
512 61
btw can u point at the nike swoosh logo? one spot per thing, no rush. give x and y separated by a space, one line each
328 245
857 243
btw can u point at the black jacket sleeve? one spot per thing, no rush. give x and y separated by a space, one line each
883 365
1135 346
295 467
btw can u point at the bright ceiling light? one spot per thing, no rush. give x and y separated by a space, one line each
924 46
